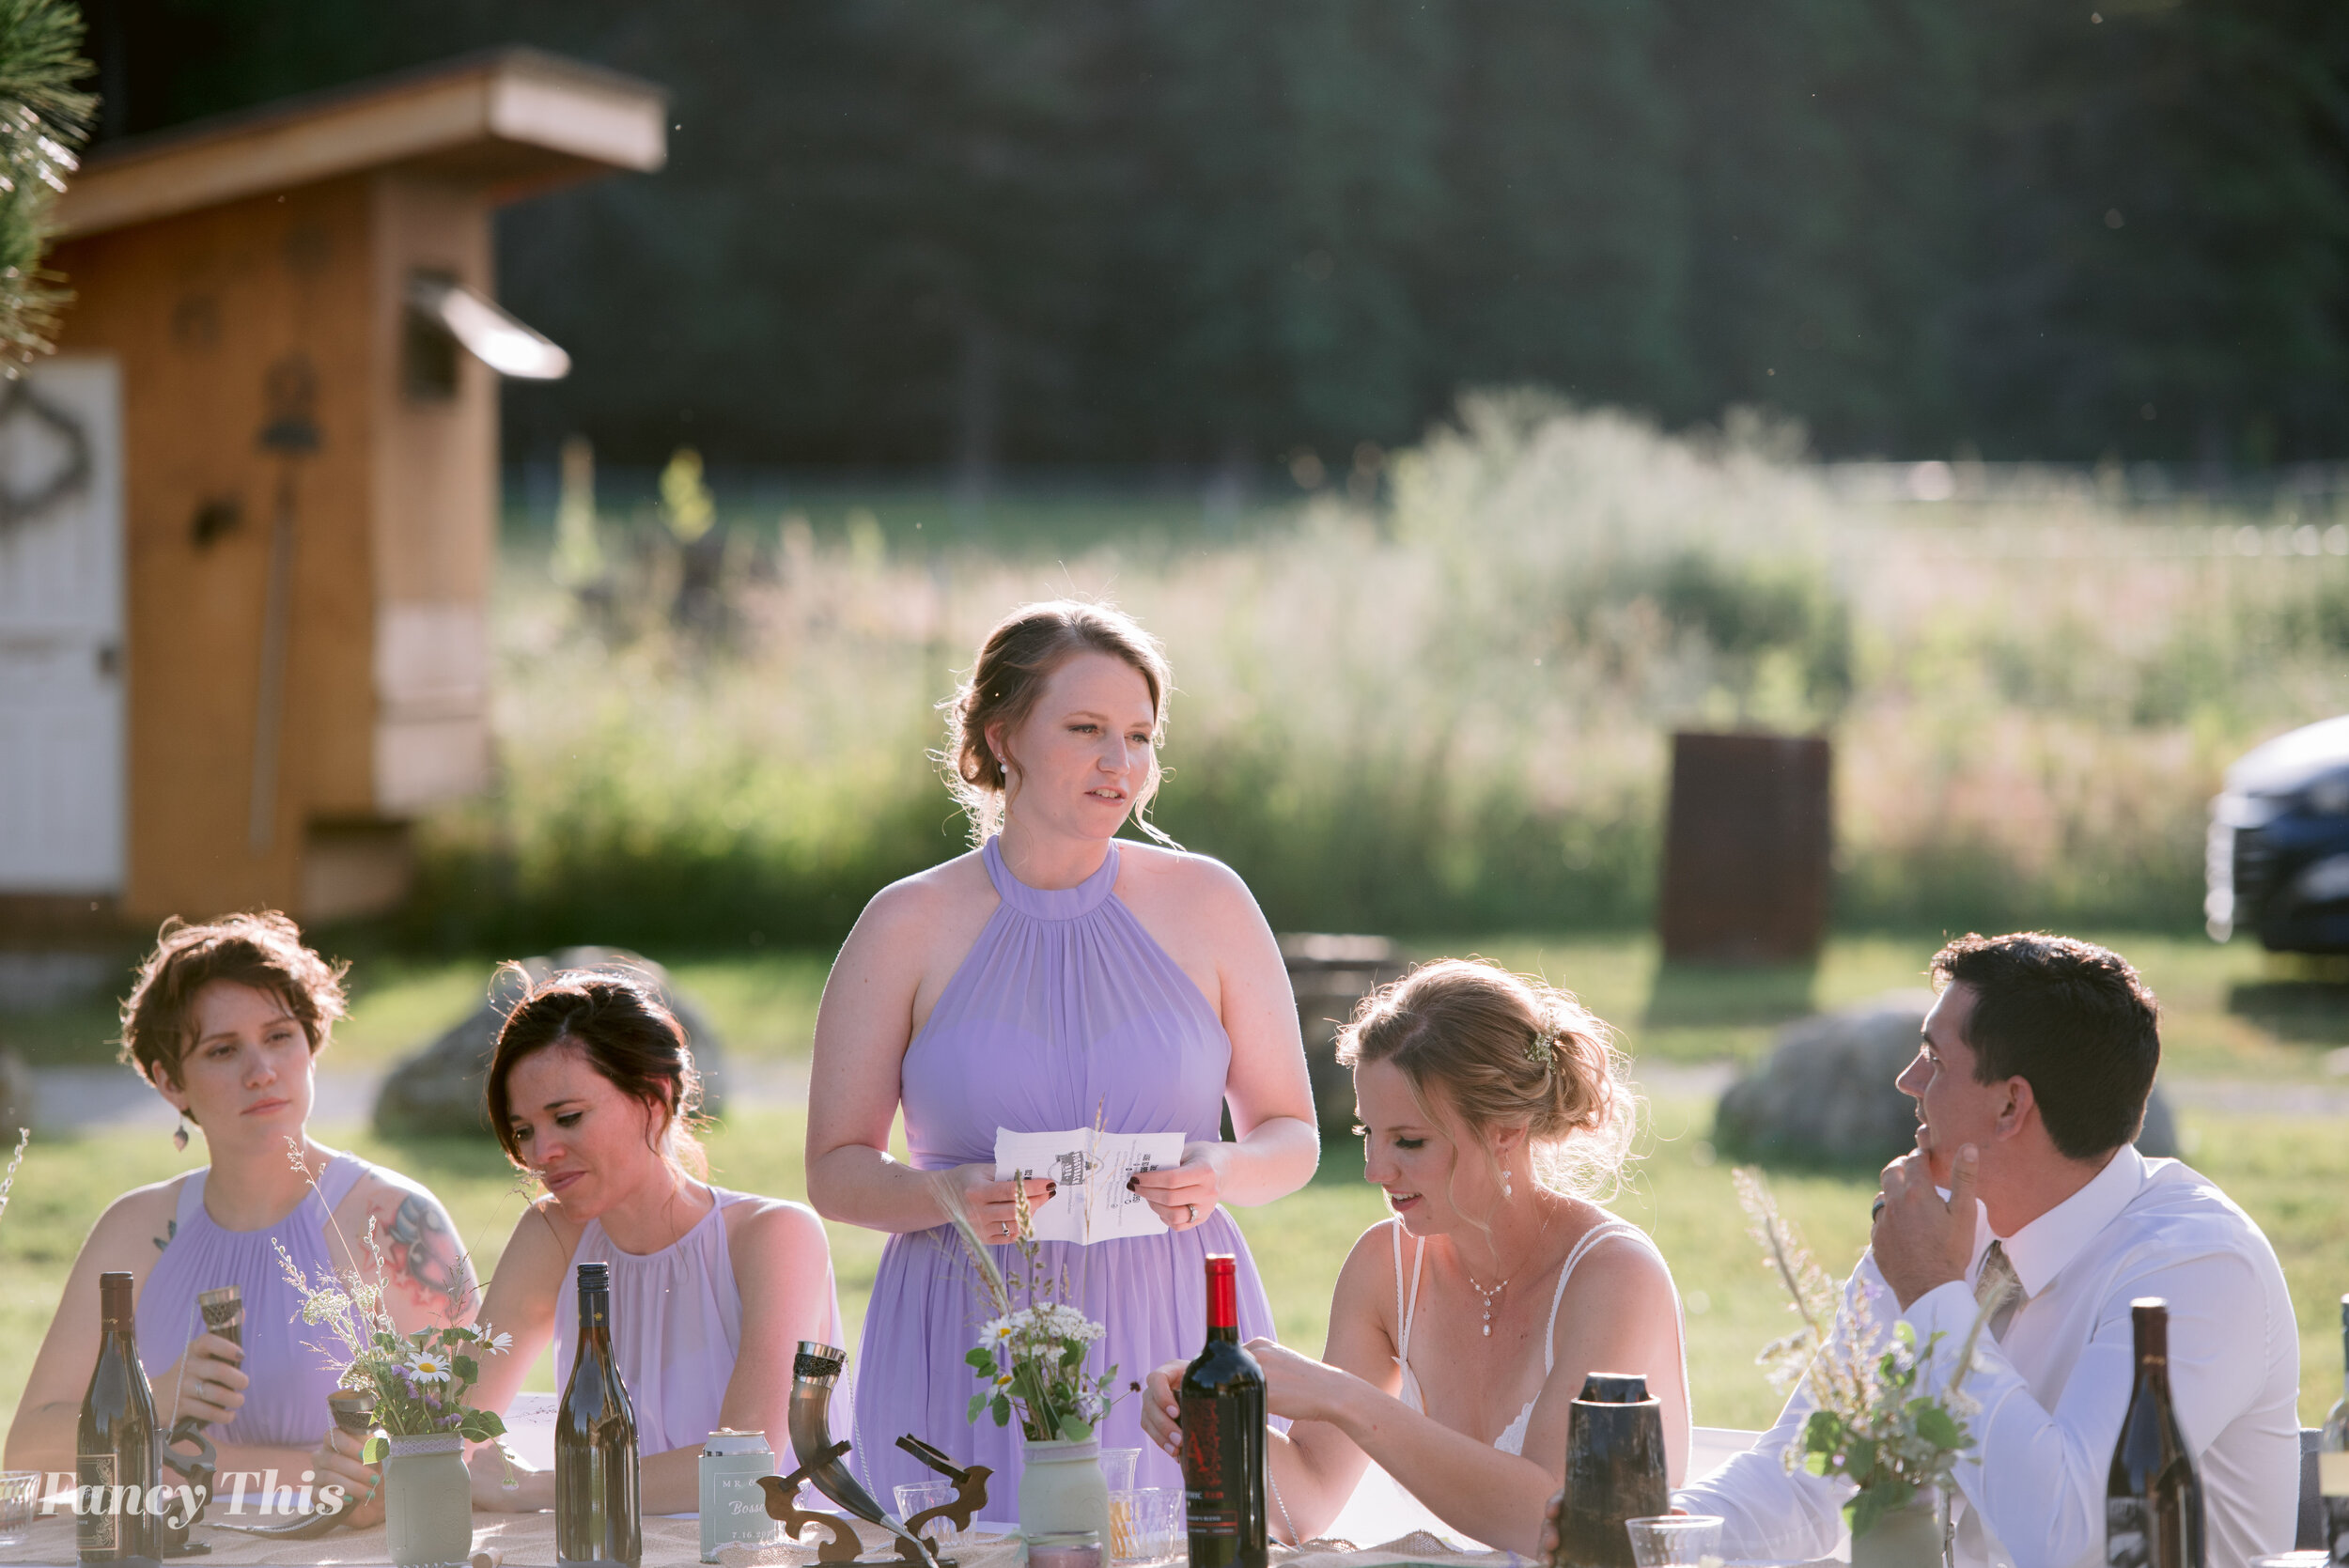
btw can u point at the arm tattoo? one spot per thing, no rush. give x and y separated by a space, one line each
422 1253
171 1233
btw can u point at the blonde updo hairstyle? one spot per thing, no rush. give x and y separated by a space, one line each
1499 1050
1014 662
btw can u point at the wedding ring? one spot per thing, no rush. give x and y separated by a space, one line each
1876 1213
203 1388
1004 1225
1195 1212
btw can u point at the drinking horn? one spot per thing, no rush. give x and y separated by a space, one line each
814 1372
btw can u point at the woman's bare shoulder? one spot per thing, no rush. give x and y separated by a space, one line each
1199 882
775 1231
1621 1265
1371 1261
925 899
144 1213
543 1239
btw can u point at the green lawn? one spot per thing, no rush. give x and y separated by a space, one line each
2228 1012
2291 1174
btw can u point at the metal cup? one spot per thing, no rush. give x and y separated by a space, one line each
1614 1471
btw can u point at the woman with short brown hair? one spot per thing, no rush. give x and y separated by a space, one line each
225 1020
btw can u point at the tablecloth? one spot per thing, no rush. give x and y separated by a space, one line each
527 1541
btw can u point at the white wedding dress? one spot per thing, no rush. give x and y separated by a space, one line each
1382 1509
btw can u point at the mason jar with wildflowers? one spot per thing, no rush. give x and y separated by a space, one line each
418 1380
1032 1361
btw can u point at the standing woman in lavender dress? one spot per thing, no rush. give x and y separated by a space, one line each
1054 976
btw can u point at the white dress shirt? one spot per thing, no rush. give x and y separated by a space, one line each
2053 1390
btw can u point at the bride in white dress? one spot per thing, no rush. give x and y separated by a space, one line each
1491 1105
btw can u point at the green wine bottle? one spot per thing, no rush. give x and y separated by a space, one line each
597 1522
116 1445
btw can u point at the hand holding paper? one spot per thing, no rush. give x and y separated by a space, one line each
1092 1168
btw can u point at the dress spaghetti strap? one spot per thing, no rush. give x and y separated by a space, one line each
1408 1393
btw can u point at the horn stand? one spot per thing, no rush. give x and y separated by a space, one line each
816 1371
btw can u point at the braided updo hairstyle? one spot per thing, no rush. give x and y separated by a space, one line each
1015 661
1499 1049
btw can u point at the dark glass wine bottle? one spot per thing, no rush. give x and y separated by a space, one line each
598 1523
1222 1398
116 1448
2332 1459
2153 1497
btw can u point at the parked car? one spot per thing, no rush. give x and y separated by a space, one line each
2277 863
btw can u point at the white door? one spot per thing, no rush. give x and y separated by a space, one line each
61 652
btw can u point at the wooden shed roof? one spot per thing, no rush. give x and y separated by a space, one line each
515 122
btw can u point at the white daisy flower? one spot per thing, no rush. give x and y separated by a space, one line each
429 1367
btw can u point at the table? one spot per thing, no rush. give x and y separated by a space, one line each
527 1541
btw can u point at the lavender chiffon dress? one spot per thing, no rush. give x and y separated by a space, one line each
1066 1010
293 1365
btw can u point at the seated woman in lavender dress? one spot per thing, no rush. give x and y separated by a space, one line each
1491 1106
1055 978
226 1020
592 1091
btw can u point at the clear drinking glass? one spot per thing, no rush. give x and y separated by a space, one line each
912 1499
1146 1525
1078 1548
1675 1540
20 1494
1117 1468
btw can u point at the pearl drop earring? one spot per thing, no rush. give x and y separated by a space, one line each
1506 1190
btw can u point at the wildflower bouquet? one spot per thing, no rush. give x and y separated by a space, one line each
419 1380
1030 1358
1870 1424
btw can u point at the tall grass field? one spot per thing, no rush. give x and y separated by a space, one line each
1439 702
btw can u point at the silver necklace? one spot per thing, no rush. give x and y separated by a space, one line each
1489 1296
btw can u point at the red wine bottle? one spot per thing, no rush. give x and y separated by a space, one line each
1223 1398
116 1448
2332 1460
2153 1497
598 1523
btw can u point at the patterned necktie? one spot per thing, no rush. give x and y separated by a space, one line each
1999 1274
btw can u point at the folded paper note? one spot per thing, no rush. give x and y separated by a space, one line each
1092 1168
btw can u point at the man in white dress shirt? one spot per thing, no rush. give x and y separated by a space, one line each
2030 1087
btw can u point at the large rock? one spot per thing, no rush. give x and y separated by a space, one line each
16 1100
1826 1095
438 1090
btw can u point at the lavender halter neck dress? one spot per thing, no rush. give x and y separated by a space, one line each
1065 1009
292 1372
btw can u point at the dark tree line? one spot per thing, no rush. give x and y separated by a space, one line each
1201 231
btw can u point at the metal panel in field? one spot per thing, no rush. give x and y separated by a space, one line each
1745 850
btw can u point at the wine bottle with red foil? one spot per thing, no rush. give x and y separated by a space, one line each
597 1522
1223 1400
2332 1460
116 1448
2153 1497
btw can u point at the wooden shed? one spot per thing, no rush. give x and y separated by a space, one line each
248 514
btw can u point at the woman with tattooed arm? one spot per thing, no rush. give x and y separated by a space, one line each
226 1021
